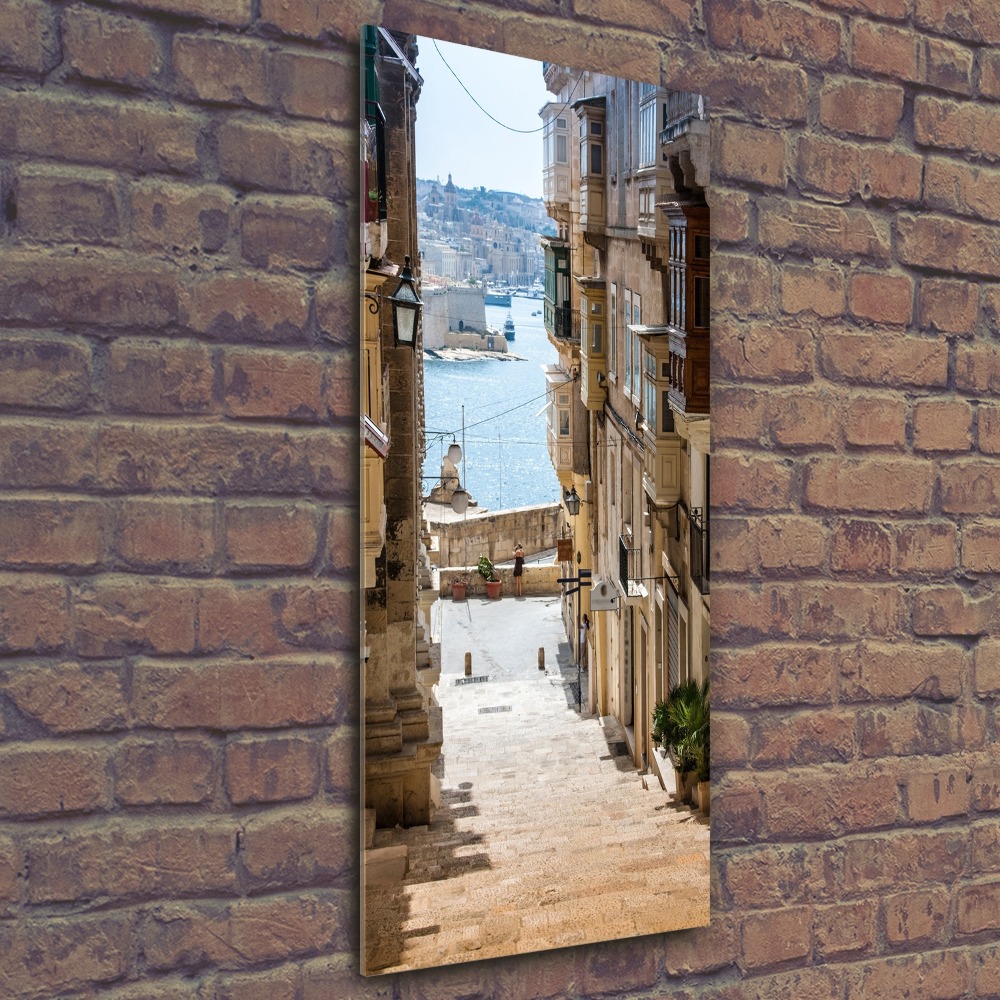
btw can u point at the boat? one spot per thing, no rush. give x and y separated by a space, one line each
498 298
508 327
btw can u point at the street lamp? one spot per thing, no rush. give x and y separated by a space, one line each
406 306
572 501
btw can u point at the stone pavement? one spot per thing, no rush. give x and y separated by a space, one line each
545 836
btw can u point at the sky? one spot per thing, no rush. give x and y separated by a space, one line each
456 137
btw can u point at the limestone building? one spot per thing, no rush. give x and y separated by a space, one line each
402 731
626 305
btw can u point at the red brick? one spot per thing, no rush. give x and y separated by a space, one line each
44 372
287 232
812 289
829 167
69 697
948 306
822 230
881 298
986 846
979 908
942 975
897 485
917 918
962 126
963 189
894 10
977 368
857 107
51 955
845 928
118 615
232 12
969 487
192 935
103 46
751 351
874 671
735 81
180 217
778 30
272 536
342 550
885 50
625 964
789 543
100 131
986 786
774 875
989 73
29 39
734 550
309 85
34 613
164 772
738 414
881 864
776 936
276 770
988 668
299 847
948 66
102 289
861 547
674 16
989 430
986 971
341 753
295 158
232 695
742 611
730 739
47 780
320 19
891 174
932 795
750 155
165 534
926 548
876 421
830 803
248 307
981 548
744 286
942 425
222 70
332 294
12 861
798 984
168 378
69 533
730 214
772 675
760 484
806 737
702 949
846 610
736 814
163 860
884 359
908 730
948 611
53 204
971 20
282 983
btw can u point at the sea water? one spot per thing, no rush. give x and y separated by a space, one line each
505 457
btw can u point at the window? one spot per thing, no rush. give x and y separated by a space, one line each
701 305
560 149
636 347
651 393
629 336
563 423
613 331
647 133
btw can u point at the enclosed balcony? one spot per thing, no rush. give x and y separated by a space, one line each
556 168
594 370
593 211
689 372
661 472
560 320
559 392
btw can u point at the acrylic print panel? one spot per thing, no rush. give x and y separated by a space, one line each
519 787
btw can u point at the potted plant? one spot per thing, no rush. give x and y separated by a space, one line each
488 572
680 726
458 588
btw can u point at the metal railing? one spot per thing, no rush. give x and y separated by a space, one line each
629 566
699 550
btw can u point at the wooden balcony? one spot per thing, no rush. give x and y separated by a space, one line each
689 372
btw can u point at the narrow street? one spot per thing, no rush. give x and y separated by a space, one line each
545 836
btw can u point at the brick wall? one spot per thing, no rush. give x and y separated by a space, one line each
178 769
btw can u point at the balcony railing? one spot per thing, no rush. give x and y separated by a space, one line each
564 323
689 372
629 568
699 550
682 109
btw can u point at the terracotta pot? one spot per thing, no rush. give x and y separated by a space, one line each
704 794
493 589
457 591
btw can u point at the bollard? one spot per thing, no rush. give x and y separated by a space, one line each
541 657
468 664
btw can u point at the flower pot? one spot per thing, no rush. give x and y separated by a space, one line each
704 793
684 781
457 590
493 589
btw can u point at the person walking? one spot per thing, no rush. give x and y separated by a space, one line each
584 629
518 568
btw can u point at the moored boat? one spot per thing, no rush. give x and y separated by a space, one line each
508 327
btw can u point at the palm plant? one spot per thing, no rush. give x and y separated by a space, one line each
681 726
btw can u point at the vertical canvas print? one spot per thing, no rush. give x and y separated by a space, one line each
535 602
